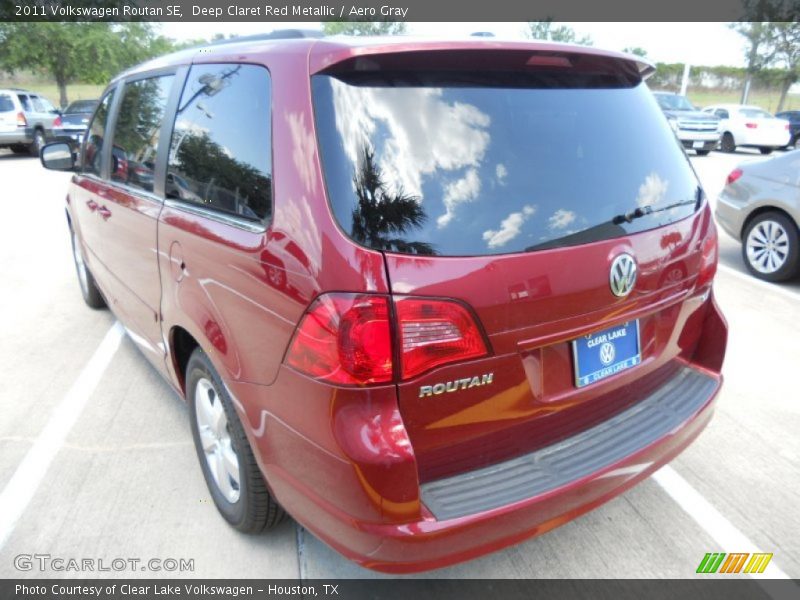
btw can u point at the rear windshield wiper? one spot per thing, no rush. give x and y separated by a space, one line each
641 211
612 228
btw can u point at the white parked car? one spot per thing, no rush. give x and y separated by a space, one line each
749 126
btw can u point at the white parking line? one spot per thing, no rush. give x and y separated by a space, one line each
31 471
775 288
709 518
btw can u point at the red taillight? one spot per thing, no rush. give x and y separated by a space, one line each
347 338
344 338
786 127
58 122
733 176
751 125
708 258
21 120
435 332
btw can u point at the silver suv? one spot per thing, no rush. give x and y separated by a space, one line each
26 121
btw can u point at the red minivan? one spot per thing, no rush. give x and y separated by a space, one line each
430 298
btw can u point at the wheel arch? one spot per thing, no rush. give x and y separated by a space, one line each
760 211
181 344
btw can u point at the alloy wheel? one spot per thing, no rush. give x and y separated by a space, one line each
215 438
767 246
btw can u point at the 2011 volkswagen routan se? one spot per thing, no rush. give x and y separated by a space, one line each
429 298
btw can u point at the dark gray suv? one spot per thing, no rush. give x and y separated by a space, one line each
26 121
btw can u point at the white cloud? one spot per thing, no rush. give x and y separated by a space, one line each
652 191
509 227
560 219
462 190
415 131
501 172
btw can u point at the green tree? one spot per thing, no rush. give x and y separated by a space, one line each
549 31
759 49
383 220
363 27
787 54
85 51
636 51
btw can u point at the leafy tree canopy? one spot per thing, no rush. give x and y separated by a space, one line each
363 27
84 51
549 31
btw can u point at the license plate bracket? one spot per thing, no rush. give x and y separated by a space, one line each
605 353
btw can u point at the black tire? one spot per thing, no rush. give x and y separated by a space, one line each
791 264
702 152
765 150
20 149
89 290
39 140
254 509
727 144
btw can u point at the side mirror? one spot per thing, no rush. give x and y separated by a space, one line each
58 157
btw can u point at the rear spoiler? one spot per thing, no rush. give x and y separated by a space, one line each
334 58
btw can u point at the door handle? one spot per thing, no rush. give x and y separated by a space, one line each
104 212
92 205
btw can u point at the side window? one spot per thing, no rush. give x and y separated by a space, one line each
137 130
38 105
221 149
721 113
25 102
47 106
95 135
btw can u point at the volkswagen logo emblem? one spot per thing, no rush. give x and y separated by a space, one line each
607 353
623 275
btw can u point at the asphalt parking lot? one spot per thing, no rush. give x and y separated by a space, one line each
124 481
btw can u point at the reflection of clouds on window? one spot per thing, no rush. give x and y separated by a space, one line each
509 227
462 190
560 219
652 191
501 172
413 131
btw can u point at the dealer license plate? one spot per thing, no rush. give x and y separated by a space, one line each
604 353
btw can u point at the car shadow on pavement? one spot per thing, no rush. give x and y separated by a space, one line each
7 155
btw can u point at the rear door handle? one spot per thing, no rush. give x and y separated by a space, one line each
104 212
92 205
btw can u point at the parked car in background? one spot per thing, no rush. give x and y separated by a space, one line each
793 116
749 126
417 382
26 121
695 129
760 207
70 126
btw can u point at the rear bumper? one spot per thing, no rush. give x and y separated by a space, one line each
73 137
730 216
18 136
689 137
767 139
482 511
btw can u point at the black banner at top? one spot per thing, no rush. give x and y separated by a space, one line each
399 10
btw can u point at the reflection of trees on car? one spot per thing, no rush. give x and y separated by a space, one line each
202 165
220 180
137 130
380 218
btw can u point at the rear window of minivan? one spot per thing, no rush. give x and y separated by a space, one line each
487 163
